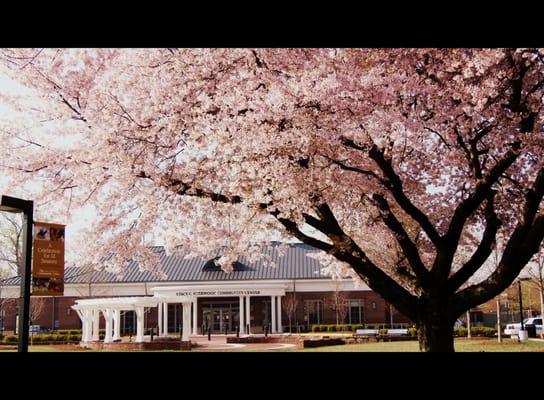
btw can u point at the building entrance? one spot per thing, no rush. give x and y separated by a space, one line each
220 317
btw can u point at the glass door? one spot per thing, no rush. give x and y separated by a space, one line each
220 317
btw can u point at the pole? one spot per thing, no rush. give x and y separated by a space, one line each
499 319
24 300
520 305
469 335
391 314
541 307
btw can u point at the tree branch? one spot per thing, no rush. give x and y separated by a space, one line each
409 248
482 252
394 184
466 208
293 229
355 169
522 245
345 249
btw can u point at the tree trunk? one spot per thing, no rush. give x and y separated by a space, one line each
435 335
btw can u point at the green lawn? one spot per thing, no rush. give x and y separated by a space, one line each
461 345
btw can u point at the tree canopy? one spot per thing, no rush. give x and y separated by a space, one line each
402 165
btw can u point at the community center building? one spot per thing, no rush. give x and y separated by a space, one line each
194 296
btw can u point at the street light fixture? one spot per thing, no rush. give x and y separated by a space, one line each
15 205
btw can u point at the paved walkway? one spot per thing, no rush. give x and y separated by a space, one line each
219 343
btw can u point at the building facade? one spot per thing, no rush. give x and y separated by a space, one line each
292 296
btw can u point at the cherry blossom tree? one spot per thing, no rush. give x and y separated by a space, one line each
352 151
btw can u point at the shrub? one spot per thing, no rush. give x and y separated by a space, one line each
75 337
11 339
483 331
382 332
331 328
316 328
412 331
64 338
461 332
355 327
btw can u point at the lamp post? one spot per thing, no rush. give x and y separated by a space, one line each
520 304
15 205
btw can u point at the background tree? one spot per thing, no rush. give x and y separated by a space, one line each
352 143
10 245
289 304
36 308
339 303
535 272
10 257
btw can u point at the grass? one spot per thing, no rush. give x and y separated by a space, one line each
461 345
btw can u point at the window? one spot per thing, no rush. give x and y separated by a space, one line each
355 312
68 311
373 305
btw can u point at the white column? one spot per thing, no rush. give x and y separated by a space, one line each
88 325
108 318
248 315
280 326
165 319
159 312
139 324
241 319
195 316
186 330
273 315
96 325
116 324
82 316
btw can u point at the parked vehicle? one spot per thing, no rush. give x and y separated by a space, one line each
513 329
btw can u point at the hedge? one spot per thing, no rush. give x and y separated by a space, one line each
45 338
335 328
69 331
476 331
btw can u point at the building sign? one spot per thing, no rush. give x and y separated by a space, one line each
219 293
48 259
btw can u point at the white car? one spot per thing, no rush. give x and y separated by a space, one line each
513 329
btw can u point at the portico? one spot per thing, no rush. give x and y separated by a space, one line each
238 316
231 308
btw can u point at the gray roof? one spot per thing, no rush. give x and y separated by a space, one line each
295 264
